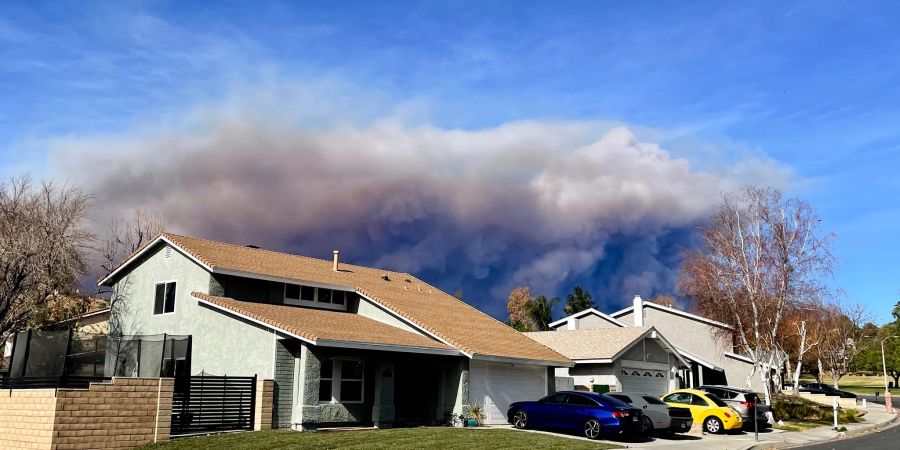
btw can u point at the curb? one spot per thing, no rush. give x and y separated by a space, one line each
849 434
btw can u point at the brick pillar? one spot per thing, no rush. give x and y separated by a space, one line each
262 410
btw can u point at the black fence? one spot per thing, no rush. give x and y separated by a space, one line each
68 358
210 404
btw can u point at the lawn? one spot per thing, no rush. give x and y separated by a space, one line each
400 438
858 384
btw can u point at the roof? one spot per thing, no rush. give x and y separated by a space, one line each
700 361
436 313
599 343
677 312
581 314
318 325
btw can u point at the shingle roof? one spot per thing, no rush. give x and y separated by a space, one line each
442 315
318 324
600 343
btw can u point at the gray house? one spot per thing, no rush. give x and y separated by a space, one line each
345 344
704 343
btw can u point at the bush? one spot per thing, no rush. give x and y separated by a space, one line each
794 408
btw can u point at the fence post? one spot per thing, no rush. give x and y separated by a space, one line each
140 341
66 355
253 404
27 350
162 356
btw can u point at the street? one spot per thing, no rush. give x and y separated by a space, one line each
887 439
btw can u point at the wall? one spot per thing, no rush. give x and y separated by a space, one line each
263 409
27 418
222 344
286 352
125 413
366 309
591 321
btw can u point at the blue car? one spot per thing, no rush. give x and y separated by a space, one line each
594 415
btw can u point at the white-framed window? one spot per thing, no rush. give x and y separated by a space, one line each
164 298
342 380
295 294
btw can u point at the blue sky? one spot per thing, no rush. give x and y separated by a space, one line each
810 85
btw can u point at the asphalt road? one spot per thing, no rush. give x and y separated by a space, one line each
881 440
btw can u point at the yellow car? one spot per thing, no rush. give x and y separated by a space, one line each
713 413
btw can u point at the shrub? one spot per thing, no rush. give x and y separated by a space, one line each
794 408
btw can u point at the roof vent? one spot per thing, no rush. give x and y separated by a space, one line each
168 252
385 277
335 260
252 246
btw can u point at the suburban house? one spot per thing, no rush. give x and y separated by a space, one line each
705 344
345 344
615 359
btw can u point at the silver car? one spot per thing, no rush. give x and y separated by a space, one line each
742 401
656 413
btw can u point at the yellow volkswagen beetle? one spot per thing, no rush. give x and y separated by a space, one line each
713 413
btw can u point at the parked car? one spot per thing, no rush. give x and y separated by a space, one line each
821 388
658 416
744 401
715 415
591 414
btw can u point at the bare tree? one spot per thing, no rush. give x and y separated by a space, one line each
124 238
519 307
845 337
664 300
761 254
807 328
43 245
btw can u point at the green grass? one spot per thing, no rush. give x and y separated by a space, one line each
858 384
797 426
400 438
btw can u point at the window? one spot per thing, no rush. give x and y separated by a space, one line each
164 302
308 293
341 381
580 401
323 296
717 401
698 401
621 397
679 397
325 378
555 398
292 291
338 297
652 400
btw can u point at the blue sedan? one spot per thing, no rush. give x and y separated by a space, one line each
592 414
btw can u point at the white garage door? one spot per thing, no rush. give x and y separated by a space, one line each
644 381
495 385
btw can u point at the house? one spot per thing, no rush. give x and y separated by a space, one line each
345 344
617 359
704 343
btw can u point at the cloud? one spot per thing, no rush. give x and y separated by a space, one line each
540 203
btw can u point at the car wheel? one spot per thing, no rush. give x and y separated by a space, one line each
713 425
647 426
520 419
592 429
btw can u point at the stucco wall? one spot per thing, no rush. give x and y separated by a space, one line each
221 344
591 321
365 308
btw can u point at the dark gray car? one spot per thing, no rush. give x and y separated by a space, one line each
743 401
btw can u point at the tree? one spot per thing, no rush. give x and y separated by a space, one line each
664 300
519 306
578 300
845 337
759 255
805 331
896 313
869 359
43 248
541 310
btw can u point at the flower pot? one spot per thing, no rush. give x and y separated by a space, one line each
471 423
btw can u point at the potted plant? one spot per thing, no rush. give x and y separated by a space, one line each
474 415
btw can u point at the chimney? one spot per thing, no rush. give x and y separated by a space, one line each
638 311
337 254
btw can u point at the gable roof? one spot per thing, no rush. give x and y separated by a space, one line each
677 312
324 327
600 344
423 306
593 311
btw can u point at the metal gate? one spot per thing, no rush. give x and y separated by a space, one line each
210 404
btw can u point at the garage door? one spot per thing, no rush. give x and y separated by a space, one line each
644 381
495 385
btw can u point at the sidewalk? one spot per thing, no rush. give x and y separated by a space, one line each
875 419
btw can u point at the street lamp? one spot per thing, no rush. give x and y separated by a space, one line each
888 402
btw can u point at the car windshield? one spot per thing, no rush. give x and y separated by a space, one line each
611 401
716 400
653 400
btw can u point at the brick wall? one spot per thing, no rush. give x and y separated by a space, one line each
125 413
26 418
